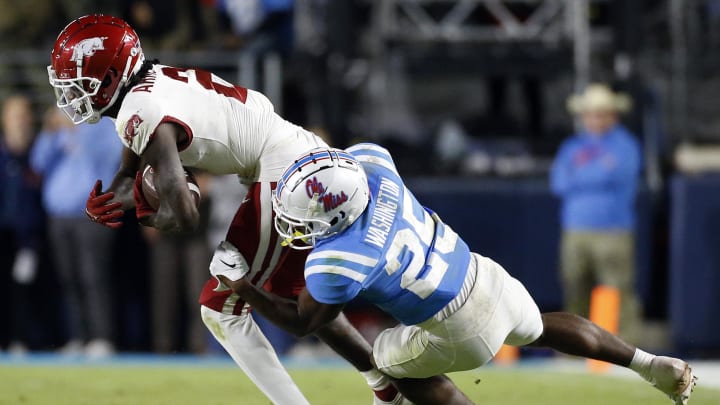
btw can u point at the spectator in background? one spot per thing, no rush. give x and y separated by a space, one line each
595 174
263 25
29 23
165 24
21 219
70 158
179 271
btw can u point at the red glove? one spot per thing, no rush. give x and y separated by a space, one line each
142 208
98 209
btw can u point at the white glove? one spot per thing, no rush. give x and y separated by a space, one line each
229 262
25 266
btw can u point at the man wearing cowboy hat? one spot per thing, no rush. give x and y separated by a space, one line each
595 174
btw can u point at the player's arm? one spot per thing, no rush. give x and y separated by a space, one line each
122 184
300 317
108 207
177 210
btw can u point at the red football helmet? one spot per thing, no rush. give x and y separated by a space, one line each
93 59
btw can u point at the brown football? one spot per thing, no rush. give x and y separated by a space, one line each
151 194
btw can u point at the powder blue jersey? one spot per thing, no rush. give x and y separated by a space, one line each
397 255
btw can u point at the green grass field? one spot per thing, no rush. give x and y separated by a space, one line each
138 385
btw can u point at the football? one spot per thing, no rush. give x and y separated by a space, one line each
151 194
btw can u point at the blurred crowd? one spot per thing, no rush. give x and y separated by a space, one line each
74 286
493 116
175 25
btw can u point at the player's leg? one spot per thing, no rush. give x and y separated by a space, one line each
578 336
226 316
252 352
562 331
575 335
416 361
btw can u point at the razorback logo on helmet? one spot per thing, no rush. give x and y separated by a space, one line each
131 128
87 47
330 200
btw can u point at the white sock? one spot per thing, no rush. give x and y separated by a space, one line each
640 363
375 379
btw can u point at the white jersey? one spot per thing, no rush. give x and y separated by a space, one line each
232 130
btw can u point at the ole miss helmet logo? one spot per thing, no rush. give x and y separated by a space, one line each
87 47
330 200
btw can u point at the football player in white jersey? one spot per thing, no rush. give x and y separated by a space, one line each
372 239
171 117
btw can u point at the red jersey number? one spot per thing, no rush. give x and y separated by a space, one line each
205 79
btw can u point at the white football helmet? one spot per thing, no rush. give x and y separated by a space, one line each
320 194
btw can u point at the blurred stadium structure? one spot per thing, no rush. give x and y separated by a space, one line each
365 43
481 85
402 68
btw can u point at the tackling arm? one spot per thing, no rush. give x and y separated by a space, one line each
299 318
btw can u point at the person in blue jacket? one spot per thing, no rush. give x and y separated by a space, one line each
70 159
595 175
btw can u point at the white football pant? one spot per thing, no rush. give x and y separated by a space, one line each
246 344
492 308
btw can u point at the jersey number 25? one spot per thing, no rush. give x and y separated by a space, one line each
415 239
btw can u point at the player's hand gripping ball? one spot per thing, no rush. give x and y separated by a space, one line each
151 195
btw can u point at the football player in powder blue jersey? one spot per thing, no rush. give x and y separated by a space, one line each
371 238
